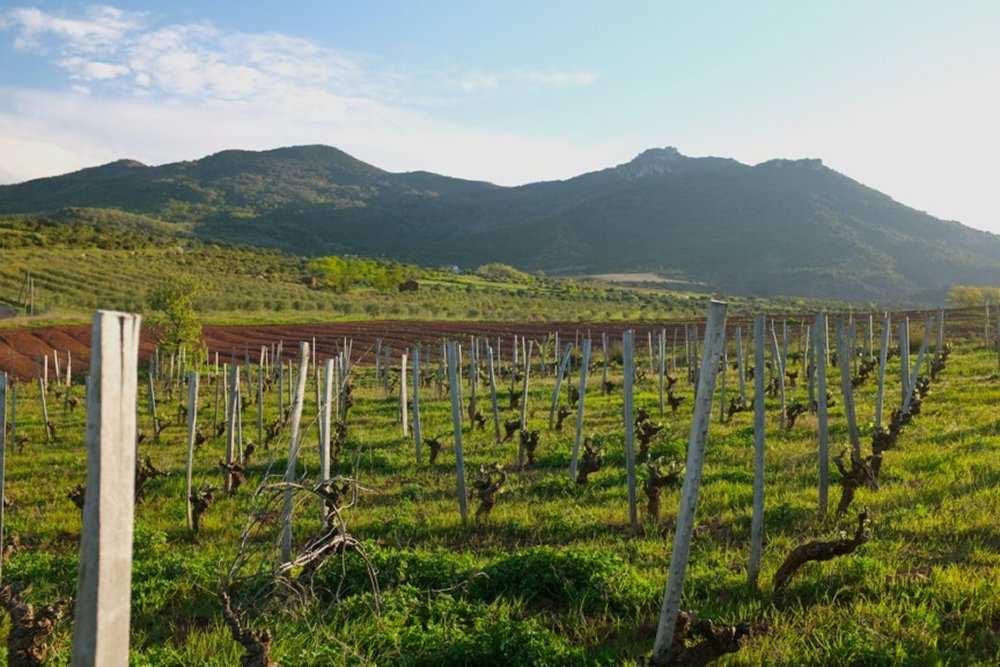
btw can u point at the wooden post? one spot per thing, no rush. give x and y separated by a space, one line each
493 394
231 423
326 409
661 344
524 400
846 389
649 345
904 357
585 364
293 452
3 460
560 371
741 365
416 400
779 368
45 410
714 337
915 375
821 412
810 362
939 348
456 420
192 431
883 357
152 408
103 597
759 426
628 367
604 355
403 399
260 402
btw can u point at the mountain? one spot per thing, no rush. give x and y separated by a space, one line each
780 227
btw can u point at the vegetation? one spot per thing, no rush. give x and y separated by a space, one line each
780 227
177 323
117 261
503 273
553 576
342 273
962 296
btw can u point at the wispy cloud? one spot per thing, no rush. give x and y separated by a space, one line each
205 88
559 78
100 27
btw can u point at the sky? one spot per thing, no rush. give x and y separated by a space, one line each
902 96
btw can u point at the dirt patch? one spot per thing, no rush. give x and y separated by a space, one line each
21 350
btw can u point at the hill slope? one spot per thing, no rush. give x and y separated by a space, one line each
780 227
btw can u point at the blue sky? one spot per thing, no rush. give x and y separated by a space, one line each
904 97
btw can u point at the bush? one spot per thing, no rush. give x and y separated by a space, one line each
597 582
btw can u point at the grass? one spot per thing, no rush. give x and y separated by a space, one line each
554 576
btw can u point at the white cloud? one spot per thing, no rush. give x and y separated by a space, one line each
101 27
92 70
204 89
477 82
560 79
68 131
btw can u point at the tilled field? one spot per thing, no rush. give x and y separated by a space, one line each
22 350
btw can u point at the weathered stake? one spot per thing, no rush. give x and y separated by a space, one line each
293 451
192 430
759 425
820 357
714 337
628 364
456 418
584 365
103 599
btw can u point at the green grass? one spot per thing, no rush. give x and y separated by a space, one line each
554 576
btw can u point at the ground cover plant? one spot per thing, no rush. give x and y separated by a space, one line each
553 574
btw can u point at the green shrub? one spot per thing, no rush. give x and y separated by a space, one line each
597 582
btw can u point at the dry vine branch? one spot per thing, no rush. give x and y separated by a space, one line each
256 644
859 474
591 460
29 627
716 641
645 431
529 443
488 485
564 412
510 427
236 474
201 500
817 550
659 476
674 402
145 472
793 411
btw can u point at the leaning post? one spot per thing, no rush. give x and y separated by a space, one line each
714 341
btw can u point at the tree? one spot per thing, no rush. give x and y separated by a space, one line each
176 318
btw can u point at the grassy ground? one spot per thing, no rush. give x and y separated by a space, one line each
554 576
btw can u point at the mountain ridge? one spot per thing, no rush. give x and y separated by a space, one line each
780 226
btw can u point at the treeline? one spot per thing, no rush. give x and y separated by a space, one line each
972 295
342 273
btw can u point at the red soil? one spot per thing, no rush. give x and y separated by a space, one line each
21 350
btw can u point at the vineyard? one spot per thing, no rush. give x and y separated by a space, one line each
109 259
324 522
